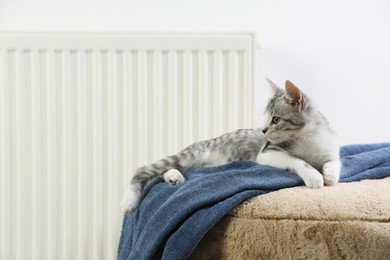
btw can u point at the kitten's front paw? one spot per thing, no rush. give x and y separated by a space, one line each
174 177
131 199
314 180
330 179
331 172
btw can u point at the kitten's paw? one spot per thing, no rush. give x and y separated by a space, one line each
314 180
330 179
131 199
331 172
174 177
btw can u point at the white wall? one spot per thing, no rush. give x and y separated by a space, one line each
336 51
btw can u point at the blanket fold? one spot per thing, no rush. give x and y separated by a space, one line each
171 220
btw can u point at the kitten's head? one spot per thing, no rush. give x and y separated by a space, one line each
289 115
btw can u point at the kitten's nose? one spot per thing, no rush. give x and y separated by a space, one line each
264 130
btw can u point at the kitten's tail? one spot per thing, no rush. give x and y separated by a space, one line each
142 175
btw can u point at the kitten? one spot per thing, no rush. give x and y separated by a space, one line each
296 137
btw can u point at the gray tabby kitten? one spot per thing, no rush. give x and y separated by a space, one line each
296 137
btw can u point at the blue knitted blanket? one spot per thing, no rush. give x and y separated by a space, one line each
171 220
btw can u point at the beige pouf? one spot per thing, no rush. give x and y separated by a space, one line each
346 221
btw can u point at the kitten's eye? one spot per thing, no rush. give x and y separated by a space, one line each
275 120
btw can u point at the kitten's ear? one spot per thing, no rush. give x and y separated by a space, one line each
292 93
275 89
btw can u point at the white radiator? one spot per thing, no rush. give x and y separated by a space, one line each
80 112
